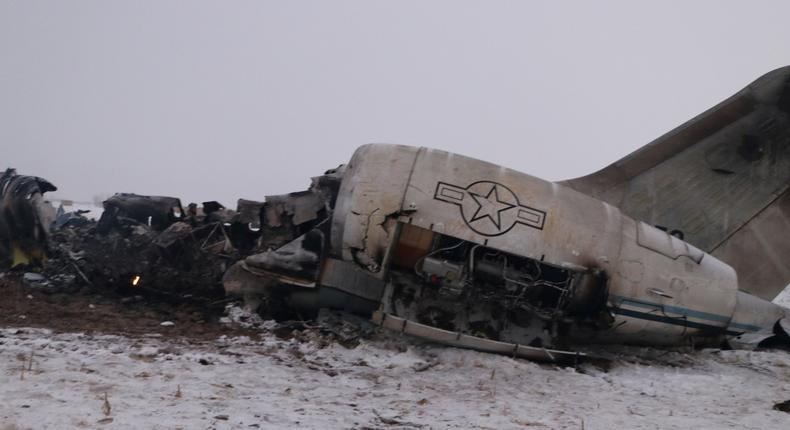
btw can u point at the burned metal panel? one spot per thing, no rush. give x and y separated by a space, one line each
246 228
327 186
217 212
285 217
158 212
299 259
351 278
300 207
711 177
249 212
177 231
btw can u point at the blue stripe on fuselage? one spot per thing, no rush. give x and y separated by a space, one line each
620 300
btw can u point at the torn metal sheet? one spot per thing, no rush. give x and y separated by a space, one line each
157 212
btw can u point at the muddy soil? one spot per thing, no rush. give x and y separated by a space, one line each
113 313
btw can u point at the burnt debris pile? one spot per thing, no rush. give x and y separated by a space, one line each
140 245
145 245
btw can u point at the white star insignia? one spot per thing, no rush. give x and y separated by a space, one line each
489 206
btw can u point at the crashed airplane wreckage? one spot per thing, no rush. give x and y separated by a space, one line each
24 217
685 240
140 245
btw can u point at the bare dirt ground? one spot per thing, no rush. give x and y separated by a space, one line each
108 312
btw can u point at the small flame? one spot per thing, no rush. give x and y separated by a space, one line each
135 280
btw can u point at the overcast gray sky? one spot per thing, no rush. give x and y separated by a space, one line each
220 100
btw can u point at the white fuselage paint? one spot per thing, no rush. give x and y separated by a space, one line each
661 290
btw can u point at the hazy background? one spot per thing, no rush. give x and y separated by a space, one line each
220 100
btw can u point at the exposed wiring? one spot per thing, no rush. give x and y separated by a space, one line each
435 251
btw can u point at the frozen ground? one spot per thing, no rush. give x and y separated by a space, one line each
73 380
66 379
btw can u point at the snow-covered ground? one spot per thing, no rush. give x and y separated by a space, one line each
73 380
54 380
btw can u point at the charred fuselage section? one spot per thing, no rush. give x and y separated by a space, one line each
464 287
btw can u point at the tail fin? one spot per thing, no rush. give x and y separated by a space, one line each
722 179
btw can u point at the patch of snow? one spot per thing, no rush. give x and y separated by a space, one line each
244 318
63 380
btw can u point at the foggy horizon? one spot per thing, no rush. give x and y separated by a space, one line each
215 101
